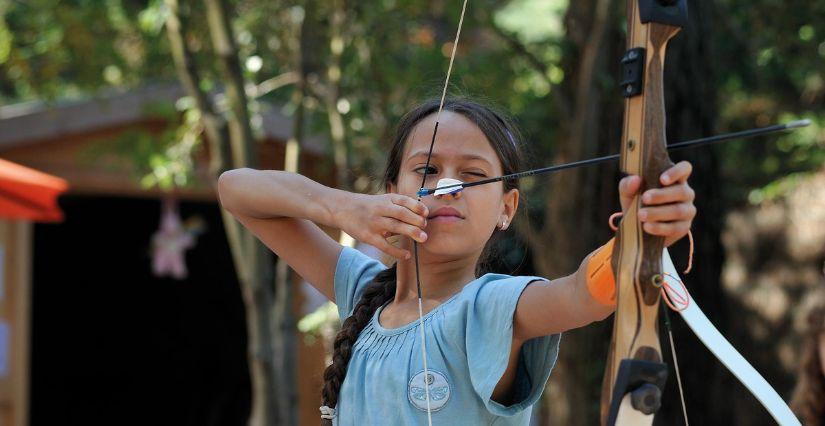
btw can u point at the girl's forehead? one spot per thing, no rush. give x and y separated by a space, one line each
457 135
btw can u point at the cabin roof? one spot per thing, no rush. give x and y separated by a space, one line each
31 122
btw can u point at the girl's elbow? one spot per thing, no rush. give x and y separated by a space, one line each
227 184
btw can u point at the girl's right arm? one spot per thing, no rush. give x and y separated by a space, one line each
284 210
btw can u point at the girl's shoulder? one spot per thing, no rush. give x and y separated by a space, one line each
353 272
494 288
494 281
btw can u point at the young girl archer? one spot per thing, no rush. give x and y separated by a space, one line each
491 339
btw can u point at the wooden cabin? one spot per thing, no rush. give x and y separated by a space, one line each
94 336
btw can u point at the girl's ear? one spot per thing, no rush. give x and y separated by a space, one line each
390 188
511 199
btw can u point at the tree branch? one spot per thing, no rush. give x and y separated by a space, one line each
240 131
560 101
214 124
272 84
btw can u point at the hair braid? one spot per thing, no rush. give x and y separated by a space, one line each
376 294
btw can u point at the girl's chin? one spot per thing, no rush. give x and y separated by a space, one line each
448 244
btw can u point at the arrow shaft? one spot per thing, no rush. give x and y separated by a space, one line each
591 161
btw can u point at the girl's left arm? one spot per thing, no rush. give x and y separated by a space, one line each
566 303
549 307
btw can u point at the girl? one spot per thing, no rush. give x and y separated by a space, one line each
491 339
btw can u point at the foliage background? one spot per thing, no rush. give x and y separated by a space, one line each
363 64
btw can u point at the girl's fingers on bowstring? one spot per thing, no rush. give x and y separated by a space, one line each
388 227
679 172
396 227
416 207
408 211
383 216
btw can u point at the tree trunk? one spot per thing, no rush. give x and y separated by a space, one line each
231 146
267 376
284 320
333 95
575 220
568 235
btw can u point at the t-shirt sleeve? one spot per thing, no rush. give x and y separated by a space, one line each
489 337
352 273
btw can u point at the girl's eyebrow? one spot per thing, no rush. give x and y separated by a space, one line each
462 156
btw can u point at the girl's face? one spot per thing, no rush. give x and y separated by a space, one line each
456 226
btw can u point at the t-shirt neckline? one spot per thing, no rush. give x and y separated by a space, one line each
390 331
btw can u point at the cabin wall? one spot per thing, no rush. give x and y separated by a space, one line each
15 290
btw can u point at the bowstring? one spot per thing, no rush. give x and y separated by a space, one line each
415 243
675 364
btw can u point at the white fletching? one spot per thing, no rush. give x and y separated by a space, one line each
448 182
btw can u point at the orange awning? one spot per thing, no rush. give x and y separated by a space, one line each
29 194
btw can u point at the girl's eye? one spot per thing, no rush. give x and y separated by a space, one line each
476 174
430 170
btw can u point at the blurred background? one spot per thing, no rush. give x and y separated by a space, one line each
127 296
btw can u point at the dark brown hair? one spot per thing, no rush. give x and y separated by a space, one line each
808 400
503 137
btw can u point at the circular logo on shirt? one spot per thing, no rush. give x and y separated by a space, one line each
436 383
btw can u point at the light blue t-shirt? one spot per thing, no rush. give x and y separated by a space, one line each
468 346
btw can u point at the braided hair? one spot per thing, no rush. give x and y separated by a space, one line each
503 137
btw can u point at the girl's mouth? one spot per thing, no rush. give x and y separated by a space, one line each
445 214
445 219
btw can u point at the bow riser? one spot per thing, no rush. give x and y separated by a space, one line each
644 147
634 365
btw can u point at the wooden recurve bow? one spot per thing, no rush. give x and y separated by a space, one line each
635 373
